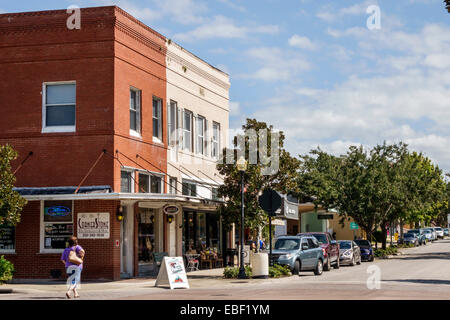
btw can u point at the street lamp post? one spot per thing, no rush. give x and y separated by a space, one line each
242 166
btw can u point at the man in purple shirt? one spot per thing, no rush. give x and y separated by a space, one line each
73 270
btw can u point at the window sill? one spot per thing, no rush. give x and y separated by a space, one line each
55 251
13 252
59 129
135 134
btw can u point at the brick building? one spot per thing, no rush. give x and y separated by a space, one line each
86 110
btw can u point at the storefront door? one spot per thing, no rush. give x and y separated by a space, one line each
148 241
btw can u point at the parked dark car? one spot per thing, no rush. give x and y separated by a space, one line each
409 238
366 250
446 232
349 252
420 234
329 247
300 253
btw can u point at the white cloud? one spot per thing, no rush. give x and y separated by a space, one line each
329 13
409 102
233 5
302 42
223 27
235 108
276 64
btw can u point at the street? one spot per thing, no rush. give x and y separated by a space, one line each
419 273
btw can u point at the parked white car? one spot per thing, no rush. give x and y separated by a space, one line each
433 233
439 232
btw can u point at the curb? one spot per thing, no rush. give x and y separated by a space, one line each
6 291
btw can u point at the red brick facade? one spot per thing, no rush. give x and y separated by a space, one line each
109 54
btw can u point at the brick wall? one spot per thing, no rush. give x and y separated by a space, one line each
102 259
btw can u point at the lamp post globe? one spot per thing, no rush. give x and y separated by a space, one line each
242 166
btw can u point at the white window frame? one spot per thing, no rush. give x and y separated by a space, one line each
160 120
190 132
172 125
151 176
42 230
203 120
214 142
11 251
132 172
52 129
136 133
173 187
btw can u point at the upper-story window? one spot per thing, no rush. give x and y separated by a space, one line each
187 131
135 111
126 184
215 140
201 124
172 123
150 183
59 101
157 119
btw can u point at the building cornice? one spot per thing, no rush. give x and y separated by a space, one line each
191 67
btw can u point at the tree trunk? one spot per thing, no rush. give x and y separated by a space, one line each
383 238
401 228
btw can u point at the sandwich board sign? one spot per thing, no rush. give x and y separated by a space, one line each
172 273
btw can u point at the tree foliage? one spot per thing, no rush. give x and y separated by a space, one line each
11 203
374 187
255 182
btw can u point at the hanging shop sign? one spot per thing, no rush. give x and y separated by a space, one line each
93 225
172 273
171 209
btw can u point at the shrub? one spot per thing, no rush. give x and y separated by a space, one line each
232 273
6 270
277 271
385 252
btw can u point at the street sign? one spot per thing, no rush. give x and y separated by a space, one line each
354 226
270 201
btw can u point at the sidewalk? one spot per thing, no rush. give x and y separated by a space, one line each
51 289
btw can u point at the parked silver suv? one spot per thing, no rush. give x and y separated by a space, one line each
300 253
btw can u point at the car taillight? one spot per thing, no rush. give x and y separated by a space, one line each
324 251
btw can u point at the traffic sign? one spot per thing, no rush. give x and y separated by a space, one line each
354 226
270 201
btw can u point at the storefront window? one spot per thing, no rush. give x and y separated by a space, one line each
57 223
7 239
201 231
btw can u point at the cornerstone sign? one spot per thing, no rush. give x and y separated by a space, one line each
93 225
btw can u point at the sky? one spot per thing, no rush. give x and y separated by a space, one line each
317 69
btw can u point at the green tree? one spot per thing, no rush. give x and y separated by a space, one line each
282 180
373 187
11 203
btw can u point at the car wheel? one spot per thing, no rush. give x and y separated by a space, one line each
353 261
319 268
372 258
296 270
337 264
327 267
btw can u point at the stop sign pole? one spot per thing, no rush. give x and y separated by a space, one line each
270 201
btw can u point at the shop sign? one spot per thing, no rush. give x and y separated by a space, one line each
7 238
172 272
278 222
93 225
57 211
325 217
171 209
